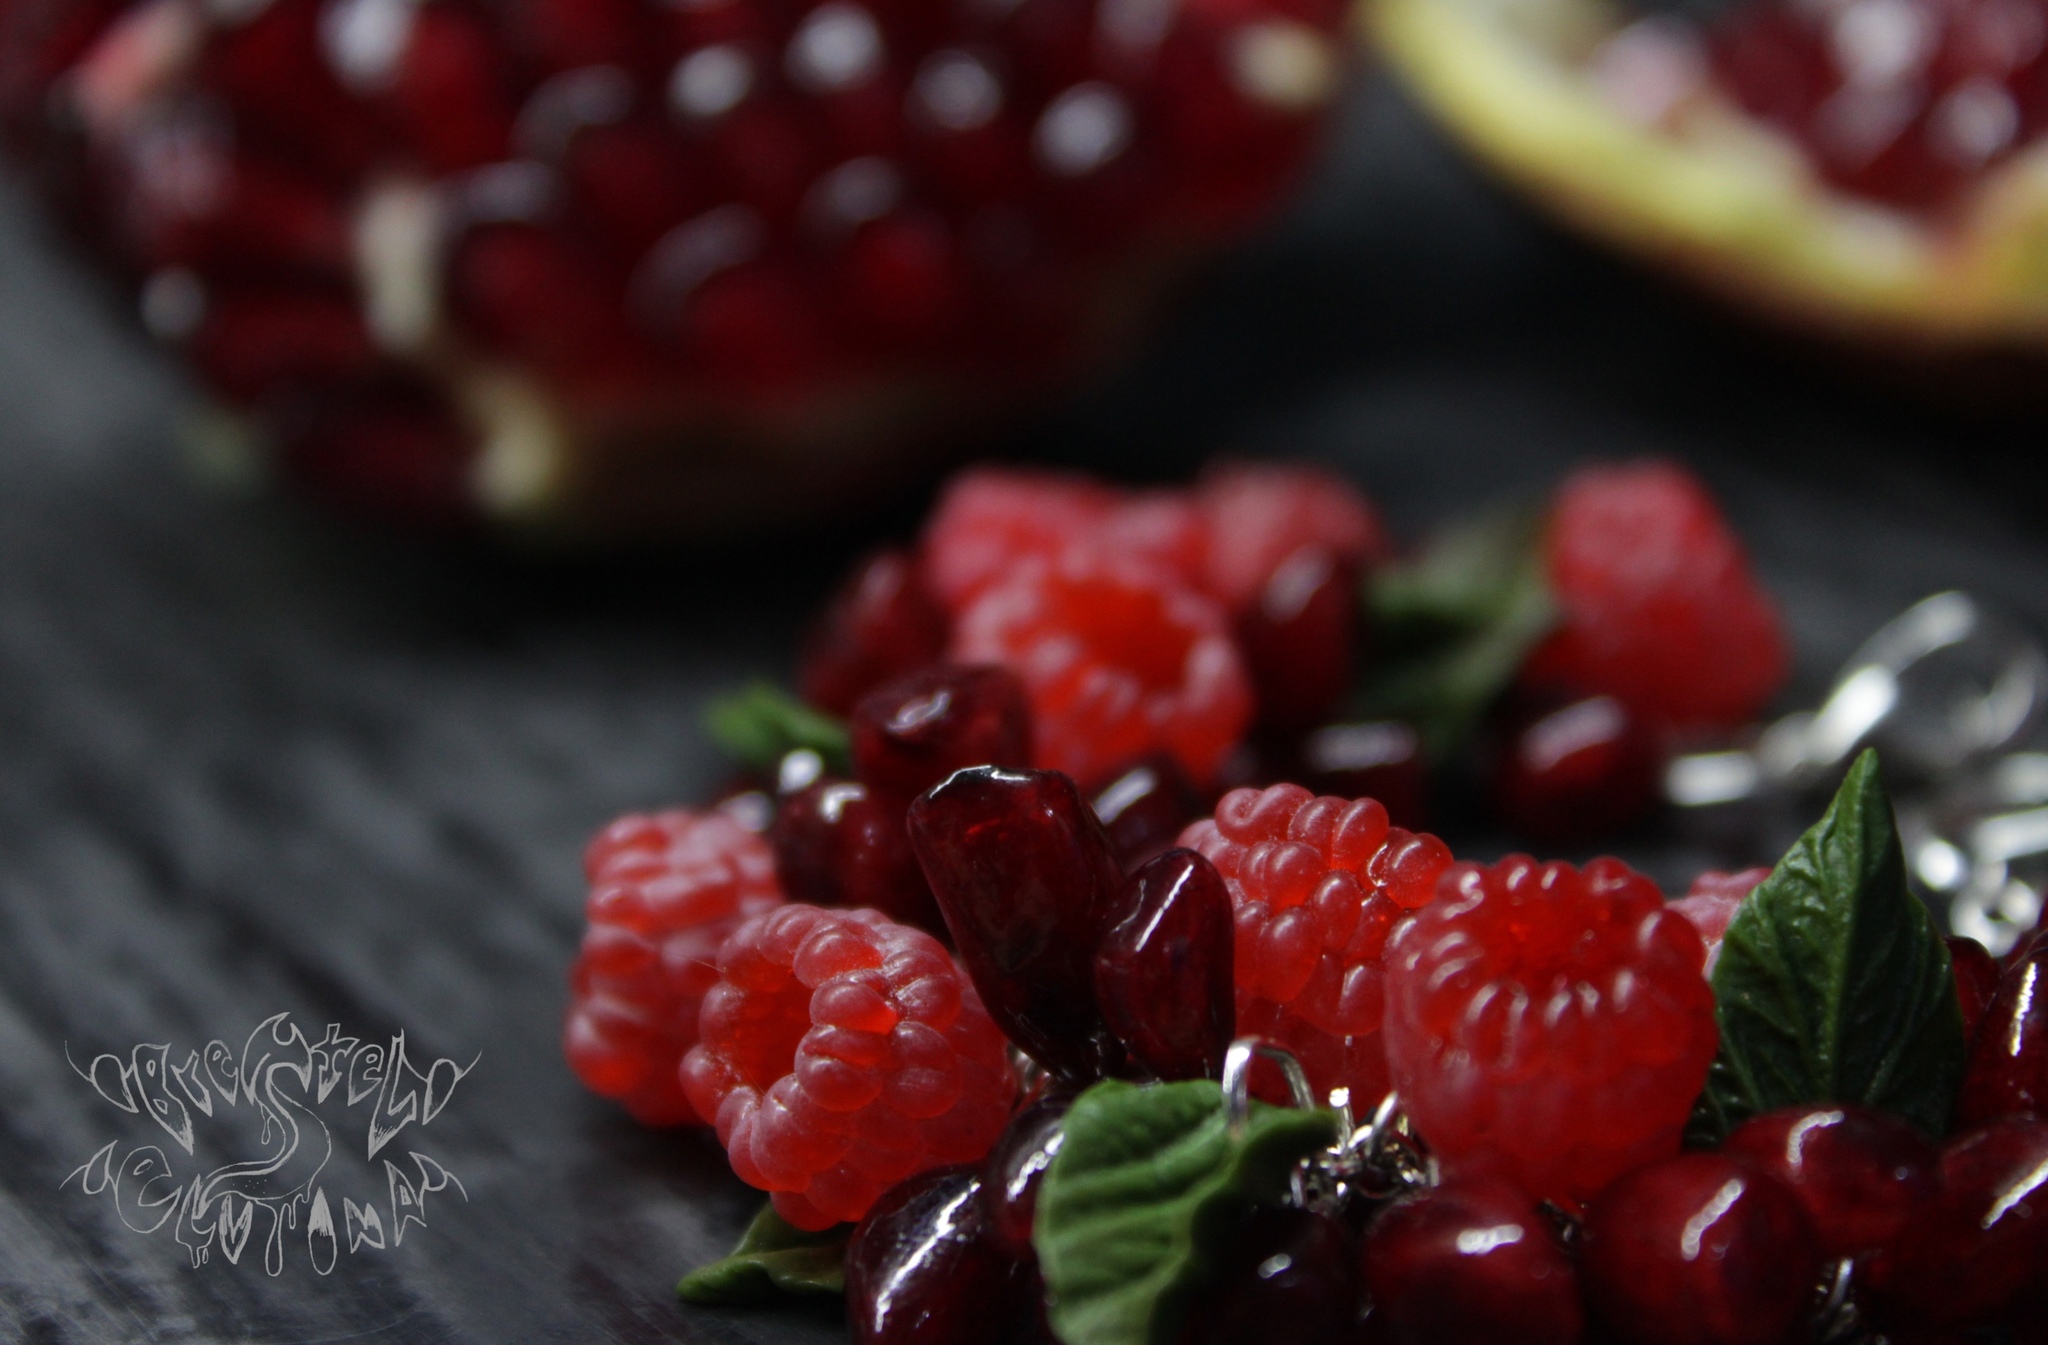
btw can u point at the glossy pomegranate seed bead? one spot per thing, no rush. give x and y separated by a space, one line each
1978 1253
913 732
2008 1073
1699 1249
1163 971
1282 1274
1300 638
920 1269
1977 976
1015 1169
1370 759
1471 1262
1026 879
840 844
880 625
1144 808
251 342
1577 773
1859 1175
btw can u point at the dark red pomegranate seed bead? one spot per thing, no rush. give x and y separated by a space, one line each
1164 968
1860 1175
251 342
913 732
1026 878
1015 1168
1576 773
1283 1275
1146 808
1700 1249
1979 1252
1300 638
450 92
1370 759
880 625
920 1269
840 844
1471 1262
2008 1073
1977 975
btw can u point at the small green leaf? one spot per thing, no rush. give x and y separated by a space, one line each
1146 1182
773 1263
1455 624
758 726
1834 984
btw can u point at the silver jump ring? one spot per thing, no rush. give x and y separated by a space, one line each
1237 1080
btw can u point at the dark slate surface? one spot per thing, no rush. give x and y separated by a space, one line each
253 761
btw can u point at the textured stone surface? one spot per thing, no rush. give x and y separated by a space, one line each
254 761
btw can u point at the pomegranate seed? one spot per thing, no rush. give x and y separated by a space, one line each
1471 1262
1577 773
1014 1170
1699 1249
274 73
1282 1271
881 624
635 181
450 91
756 329
1300 638
1164 968
2008 1073
531 293
915 731
1026 878
558 35
1145 808
1860 1175
399 457
839 844
920 1269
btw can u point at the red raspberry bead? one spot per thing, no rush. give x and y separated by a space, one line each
1977 1254
1163 970
1658 605
1576 773
1300 638
665 890
1146 807
915 731
1118 659
1699 1249
2008 1071
1861 1176
1711 902
1317 885
1977 976
991 519
1026 879
1259 514
838 843
1471 1262
1549 1019
880 625
842 1052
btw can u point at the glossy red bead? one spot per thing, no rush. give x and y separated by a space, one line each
2008 1072
879 625
1026 879
1281 1275
1576 773
1699 1249
1300 638
1471 1262
913 732
1977 975
1861 1176
1981 1250
1164 971
1370 759
1015 1169
920 1269
838 843
1145 808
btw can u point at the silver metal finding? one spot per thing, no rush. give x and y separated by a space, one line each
1237 1079
1835 1321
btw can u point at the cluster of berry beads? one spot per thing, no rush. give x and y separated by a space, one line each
1123 613
1657 605
665 891
1553 1022
841 1053
1316 885
342 208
